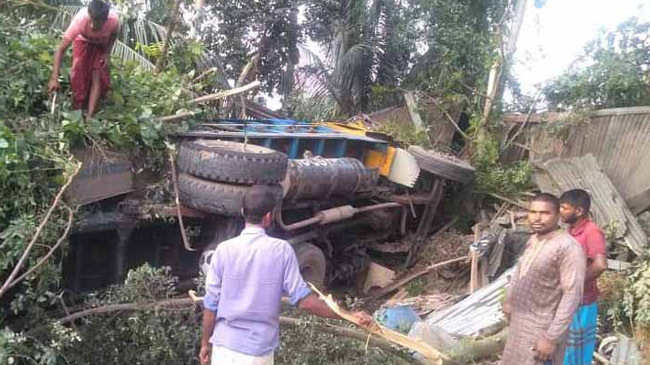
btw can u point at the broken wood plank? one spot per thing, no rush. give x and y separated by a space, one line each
212 97
398 284
507 200
425 221
377 278
413 113
178 116
428 352
617 265
226 93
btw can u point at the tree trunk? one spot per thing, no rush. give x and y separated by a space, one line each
171 24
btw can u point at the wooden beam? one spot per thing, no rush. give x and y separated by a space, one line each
412 108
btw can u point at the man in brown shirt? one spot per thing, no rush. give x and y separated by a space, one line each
545 289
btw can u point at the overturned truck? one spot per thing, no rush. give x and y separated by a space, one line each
340 190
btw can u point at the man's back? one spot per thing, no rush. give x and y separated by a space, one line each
248 276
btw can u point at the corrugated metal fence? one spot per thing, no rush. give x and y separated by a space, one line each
618 138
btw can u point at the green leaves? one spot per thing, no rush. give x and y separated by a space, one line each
636 297
613 72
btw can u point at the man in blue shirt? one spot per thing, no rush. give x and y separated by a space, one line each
247 278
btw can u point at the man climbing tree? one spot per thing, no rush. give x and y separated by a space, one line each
92 33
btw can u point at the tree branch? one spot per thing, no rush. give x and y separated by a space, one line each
39 229
521 128
126 307
50 252
160 64
177 202
180 302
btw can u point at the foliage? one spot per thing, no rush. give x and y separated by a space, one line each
459 36
626 302
416 287
34 160
636 297
136 98
492 176
613 72
270 28
405 133
365 42
307 108
35 146
170 336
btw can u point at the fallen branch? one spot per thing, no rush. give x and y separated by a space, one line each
171 25
126 307
50 252
226 93
521 128
503 198
350 333
415 275
39 229
177 202
177 116
207 98
194 300
429 353
453 122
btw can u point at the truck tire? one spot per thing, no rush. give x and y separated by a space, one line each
445 166
214 197
206 258
226 161
219 229
311 261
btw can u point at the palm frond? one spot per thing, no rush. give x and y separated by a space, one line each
353 61
126 53
64 16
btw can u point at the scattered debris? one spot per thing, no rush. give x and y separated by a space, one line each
429 353
424 304
401 282
477 315
445 245
619 350
618 265
399 318
378 277
390 247
608 206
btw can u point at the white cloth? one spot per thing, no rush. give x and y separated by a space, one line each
225 356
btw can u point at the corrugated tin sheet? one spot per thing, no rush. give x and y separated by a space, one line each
608 206
473 315
619 139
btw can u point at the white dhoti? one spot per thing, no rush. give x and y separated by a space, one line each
224 356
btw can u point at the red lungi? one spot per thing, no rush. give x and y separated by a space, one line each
86 58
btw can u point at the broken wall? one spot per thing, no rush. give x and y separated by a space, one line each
619 139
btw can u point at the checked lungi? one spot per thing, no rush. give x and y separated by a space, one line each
582 336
